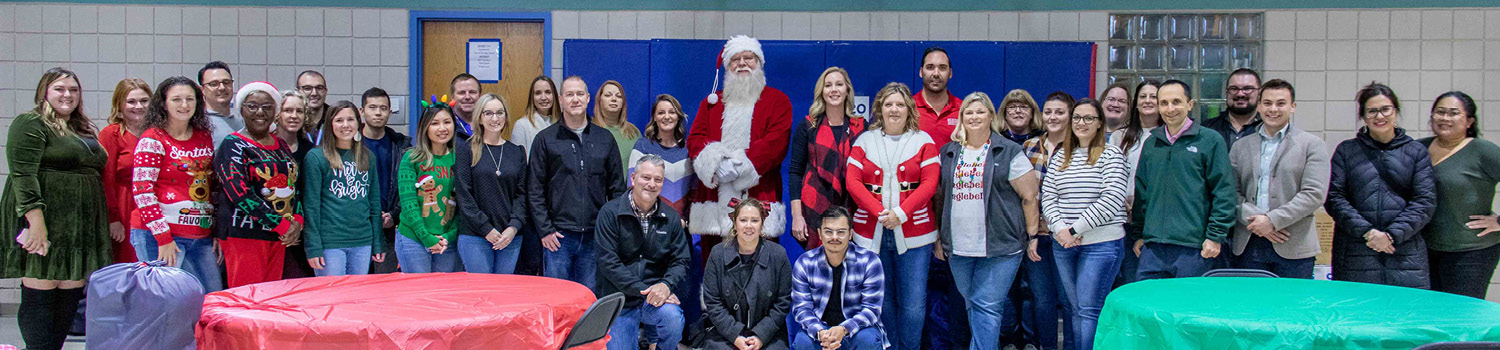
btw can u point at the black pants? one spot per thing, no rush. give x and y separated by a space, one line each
1463 273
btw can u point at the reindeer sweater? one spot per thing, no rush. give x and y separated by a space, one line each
172 185
258 186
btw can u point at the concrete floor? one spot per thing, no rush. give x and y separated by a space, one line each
10 334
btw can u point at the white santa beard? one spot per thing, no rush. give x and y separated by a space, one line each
740 95
743 90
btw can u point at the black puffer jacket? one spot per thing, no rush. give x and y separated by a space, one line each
1387 187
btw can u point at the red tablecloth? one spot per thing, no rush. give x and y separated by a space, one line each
395 311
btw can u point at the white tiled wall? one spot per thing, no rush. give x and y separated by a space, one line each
354 48
1420 53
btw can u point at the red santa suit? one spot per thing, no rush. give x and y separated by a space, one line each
754 138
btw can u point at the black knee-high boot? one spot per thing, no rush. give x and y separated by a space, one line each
36 318
64 311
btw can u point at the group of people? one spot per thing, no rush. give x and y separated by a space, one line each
1035 209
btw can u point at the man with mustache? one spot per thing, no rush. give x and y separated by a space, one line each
1241 96
738 141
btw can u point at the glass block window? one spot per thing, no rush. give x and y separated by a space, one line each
1199 48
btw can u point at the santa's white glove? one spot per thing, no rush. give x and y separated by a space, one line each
728 170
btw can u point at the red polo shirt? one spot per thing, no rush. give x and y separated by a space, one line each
938 124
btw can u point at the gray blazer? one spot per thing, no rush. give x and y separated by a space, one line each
1299 184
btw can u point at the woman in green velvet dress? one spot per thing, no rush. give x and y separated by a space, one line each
55 195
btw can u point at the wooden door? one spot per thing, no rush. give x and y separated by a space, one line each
444 45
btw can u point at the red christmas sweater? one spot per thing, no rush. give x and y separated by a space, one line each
173 184
900 175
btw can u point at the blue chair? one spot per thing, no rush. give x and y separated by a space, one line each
1239 273
595 322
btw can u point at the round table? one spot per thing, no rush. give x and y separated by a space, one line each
395 311
1224 313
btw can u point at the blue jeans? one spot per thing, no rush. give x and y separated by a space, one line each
416 259
984 284
1040 314
1160 260
905 301
866 339
345 261
196 256
480 256
574 260
1087 272
665 323
1260 255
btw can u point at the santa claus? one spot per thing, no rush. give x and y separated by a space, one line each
738 141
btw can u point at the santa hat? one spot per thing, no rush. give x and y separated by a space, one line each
424 179
258 86
735 45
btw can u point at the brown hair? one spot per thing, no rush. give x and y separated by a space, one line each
621 120
330 142
1070 142
123 89
677 133
77 123
554 113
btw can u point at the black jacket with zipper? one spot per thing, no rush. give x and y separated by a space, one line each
758 304
571 176
630 259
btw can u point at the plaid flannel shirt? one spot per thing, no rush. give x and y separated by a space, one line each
864 288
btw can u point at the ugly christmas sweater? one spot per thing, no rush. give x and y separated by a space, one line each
172 184
258 189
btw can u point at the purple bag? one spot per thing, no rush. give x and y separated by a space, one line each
143 306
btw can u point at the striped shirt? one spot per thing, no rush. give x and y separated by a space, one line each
862 295
1089 199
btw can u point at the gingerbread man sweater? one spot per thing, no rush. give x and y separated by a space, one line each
428 207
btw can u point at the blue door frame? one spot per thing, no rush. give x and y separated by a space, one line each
414 47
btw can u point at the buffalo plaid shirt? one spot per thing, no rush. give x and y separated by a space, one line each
864 289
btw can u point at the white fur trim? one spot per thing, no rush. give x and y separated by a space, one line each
707 163
736 124
255 86
712 218
737 44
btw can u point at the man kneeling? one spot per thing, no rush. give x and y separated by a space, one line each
837 315
643 253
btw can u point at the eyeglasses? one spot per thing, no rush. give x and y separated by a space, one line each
1085 119
841 233
1384 111
258 108
1017 108
1448 113
488 114
307 89
220 84
1239 89
1112 99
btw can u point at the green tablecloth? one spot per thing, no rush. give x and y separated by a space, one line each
1223 313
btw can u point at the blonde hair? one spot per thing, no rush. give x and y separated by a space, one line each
77 123
962 136
476 142
899 89
620 120
122 90
816 113
1023 97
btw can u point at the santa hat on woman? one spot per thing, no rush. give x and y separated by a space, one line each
258 86
735 45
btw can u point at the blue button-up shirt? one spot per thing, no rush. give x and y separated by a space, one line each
1268 146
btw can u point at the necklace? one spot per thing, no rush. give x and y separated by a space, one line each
497 159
